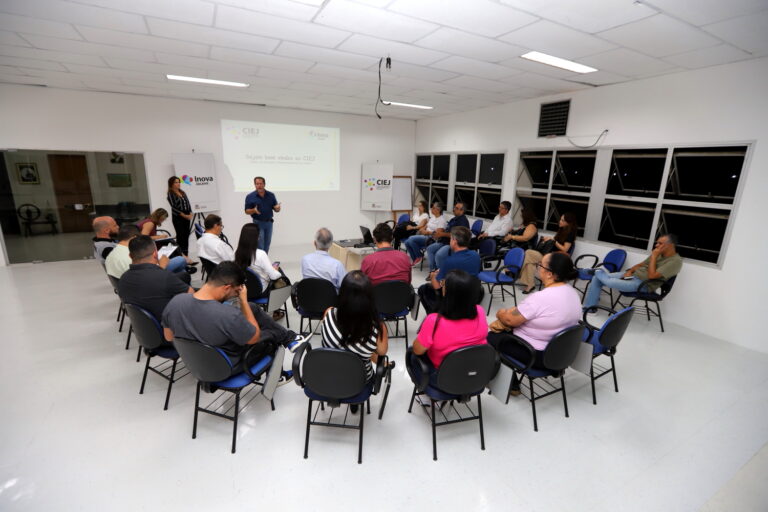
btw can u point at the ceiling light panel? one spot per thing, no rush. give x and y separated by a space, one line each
469 45
206 81
659 36
557 62
545 36
363 19
211 36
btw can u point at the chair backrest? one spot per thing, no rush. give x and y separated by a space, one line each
487 247
666 287
204 362
278 297
145 326
562 349
515 256
614 260
613 329
252 283
477 227
333 373
315 295
393 297
467 370
113 281
199 230
403 218
208 266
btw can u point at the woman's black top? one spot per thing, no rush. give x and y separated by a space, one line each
179 204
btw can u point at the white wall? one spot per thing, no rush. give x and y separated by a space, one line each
38 118
714 105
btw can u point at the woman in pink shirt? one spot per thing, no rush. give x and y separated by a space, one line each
460 321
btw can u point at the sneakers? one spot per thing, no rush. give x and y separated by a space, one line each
286 376
417 261
294 345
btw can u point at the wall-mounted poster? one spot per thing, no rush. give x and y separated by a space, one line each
28 174
119 180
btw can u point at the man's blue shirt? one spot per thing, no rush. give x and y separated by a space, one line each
466 260
264 204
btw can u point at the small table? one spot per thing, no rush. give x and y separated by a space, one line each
350 257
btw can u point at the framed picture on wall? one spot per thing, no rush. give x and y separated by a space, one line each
28 174
119 180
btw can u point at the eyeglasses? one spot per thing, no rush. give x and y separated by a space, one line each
542 266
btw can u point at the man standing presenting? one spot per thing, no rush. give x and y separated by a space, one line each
260 205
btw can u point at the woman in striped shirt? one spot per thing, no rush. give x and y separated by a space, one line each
354 325
181 213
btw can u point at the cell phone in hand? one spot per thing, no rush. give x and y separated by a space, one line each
276 264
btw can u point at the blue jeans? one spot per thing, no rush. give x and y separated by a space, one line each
415 244
614 280
176 264
265 236
431 254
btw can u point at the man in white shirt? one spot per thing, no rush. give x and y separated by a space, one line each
210 246
119 258
502 223
415 244
320 264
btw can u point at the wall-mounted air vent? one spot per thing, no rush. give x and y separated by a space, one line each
553 119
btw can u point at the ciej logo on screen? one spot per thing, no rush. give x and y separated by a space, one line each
197 180
245 132
377 183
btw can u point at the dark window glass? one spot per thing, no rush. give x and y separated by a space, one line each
700 230
574 170
626 223
440 166
466 168
558 205
536 201
422 167
705 174
491 169
637 172
422 192
534 170
487 203
439 194
467 196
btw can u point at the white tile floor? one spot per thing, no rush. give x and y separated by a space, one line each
76 435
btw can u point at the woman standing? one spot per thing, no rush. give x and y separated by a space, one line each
562 241
181 213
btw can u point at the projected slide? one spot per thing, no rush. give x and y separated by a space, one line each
290 157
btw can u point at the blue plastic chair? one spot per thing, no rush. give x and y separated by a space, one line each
477 227
613 262
604 340
403 218
504 276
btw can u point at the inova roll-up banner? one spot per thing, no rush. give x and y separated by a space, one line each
376 191
197 172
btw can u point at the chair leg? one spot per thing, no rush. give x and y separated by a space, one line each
533 405
301 325
434 431
565 400
170 384
122 318
413 397
272 403
405 323
658 311
615 379
511 382
592 381
490 296
384 400
480 415
144 378
514 294
119 312
128 340
368 406
287 322
234 427
138 354
647 311
306 439
197 403
360 446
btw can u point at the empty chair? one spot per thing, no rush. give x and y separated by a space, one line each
505 275
394 300
604 340
312 296
643 294
613 262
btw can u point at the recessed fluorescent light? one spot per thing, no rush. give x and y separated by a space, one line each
558 62
205 81
409 105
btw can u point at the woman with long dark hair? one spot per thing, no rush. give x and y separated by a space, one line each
249 257
522 236
181 213
354 324
562 241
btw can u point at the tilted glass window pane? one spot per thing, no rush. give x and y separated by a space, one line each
534 170
467 196
423 164
558 205
627 223
709 175
440 166
574 170
440 194
422 193
536 201
700 230
636 172
487 203
466 169
491 169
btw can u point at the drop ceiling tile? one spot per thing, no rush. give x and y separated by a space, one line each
291 76
375 47
364 19
338 71
553 39
198 63
34 53
703 12
11 70
598 78
259 59
587 15
473 67
69 12
211 36
482 84
24 25
87 48
139 41
12 39
249 22
522 65
375 3
282 8
188 11
659 36
628 63
114 73
155 67
481 17
420 72
309 87
747 32
67 75
469 45
544 83
324 55
31 63
714 56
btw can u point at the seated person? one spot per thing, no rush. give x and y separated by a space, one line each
417 242
664 263
105 230
146 283
354 325
438 251
210 245
204 317
249 256
320 264
501 224
386 264
149 225
542 315
459 322
119 259
522 236
417 222
461 258
562 241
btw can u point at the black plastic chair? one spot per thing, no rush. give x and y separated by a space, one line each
312 296
208 267
214 371
335 377
560 353
463 374
604 340
394 300
121 316
275 300
149 333
644 294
